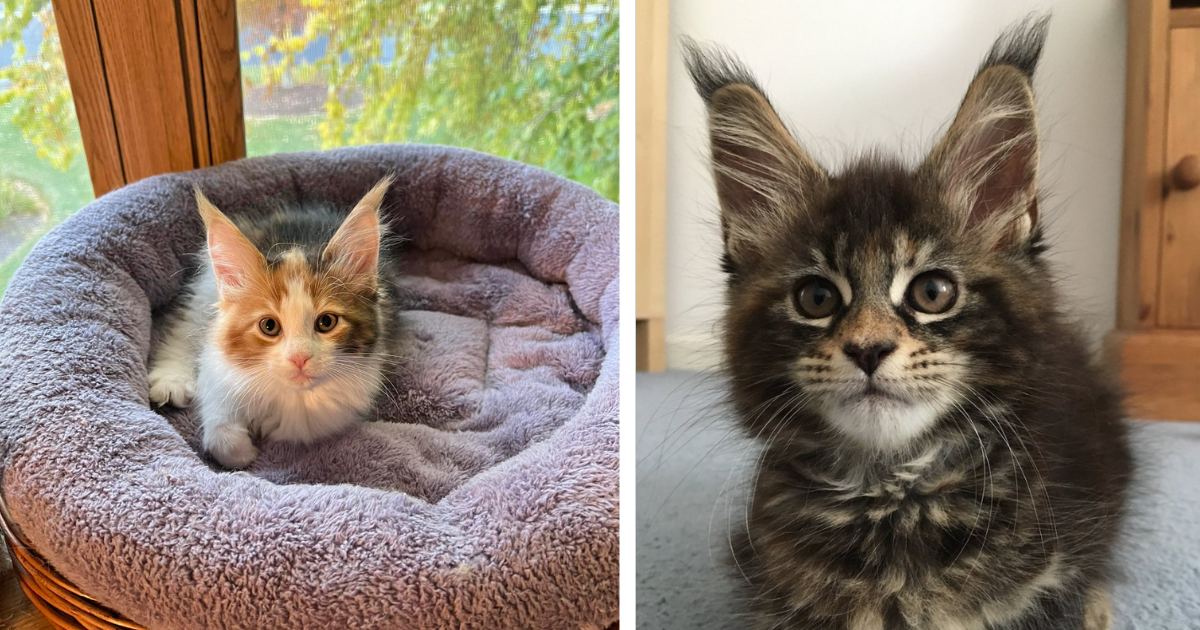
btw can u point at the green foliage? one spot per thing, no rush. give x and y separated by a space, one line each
38 85
61 193
39 174
18 198
532 80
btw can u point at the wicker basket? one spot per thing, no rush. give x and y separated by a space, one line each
64 605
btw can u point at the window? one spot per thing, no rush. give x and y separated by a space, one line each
332 74
531 80
43 172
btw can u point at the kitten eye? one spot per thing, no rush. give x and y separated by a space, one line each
817 298
326 322
269 326
932 292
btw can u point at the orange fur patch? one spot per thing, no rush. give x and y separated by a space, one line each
294 295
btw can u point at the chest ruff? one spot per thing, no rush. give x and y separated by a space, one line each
944 540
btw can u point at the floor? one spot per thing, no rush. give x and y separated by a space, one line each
16 612
693 468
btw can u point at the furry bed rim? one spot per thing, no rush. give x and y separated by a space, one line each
63 604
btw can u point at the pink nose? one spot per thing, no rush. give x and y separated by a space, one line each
299 360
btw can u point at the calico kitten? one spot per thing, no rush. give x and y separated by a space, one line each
940 451
286 332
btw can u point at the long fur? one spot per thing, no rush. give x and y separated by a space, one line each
1020 46
977 477
712 68
293 265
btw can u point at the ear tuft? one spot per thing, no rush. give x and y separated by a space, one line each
354 248
712 68
986 166
763 177
1019 46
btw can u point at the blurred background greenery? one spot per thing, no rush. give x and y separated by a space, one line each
530 80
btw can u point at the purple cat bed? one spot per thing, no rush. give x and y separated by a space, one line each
485 496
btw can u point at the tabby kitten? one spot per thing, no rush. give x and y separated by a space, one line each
286 332
940 451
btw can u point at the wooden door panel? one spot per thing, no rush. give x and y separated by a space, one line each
1179 272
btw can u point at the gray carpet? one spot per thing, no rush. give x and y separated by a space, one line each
692 472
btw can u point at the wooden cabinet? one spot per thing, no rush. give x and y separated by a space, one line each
1157 341
1179 284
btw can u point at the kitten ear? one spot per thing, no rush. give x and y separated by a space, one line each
354 249
763 177
987 164
236 262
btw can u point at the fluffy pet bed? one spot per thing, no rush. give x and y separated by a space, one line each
484 496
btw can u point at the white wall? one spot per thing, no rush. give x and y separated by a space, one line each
852 75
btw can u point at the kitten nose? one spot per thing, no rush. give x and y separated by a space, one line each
299 360
870 357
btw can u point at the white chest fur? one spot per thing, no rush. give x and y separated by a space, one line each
278 411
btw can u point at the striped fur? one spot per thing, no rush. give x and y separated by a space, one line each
974 477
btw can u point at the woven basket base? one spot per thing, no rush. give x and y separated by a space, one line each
64 605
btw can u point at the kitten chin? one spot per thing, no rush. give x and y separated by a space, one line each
881 424
288 331
286 411
939 448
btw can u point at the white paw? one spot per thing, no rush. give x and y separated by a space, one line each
171 386
232 447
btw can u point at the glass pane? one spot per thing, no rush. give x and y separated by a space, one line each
531 80
43 172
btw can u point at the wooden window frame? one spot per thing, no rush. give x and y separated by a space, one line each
156 83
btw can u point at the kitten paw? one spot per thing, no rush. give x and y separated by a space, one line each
233 449
1097 612
168 386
